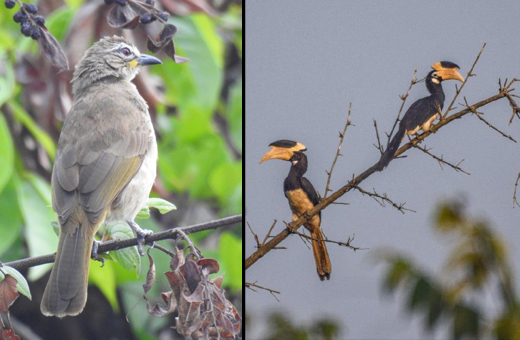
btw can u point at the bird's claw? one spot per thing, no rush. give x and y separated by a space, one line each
141 236
95 254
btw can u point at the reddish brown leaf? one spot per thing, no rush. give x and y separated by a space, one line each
8 292
210 264
150 276
8 334
168 32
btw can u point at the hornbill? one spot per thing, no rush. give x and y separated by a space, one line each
424 111
302 196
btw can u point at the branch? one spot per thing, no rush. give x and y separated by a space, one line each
477 114
441 160
341 137
515 201
347 244
458 89
126 243
403 99
384 198
276 240
272 291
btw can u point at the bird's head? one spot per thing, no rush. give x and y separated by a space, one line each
110 57
445 70
283 149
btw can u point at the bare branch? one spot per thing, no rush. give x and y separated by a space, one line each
381 199
347 244
458 89
441 160
173 233
477 114
378 146
515 201
403 98
253 285
338 152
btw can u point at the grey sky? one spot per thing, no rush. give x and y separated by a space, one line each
306 61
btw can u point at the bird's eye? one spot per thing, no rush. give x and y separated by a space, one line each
126 52
435 75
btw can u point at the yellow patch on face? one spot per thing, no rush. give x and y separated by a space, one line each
132 63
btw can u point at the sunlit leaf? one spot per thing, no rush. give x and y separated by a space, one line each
22 286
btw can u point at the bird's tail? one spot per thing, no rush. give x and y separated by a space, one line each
66 291
321 254
391 148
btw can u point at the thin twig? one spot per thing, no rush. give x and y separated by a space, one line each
477 114
347 244
378 146
441 160
381 199
403 99
459 89
338 152
130 242
515 201
272 291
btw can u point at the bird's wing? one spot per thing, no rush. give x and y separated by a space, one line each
310 191
418 113
96 159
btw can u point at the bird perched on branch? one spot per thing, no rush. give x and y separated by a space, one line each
104 168
424 111
302 196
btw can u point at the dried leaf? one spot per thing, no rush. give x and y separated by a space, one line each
50 47
8 334
132 23
210 264
150 276
168 32
8 292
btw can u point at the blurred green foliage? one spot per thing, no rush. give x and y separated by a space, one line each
196 160
456 296
280 326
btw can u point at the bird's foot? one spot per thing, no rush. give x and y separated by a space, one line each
141 235
95 254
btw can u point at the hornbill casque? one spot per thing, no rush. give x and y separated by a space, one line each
424 111
302 196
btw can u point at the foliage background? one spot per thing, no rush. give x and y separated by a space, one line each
197 111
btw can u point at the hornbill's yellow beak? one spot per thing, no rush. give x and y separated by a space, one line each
283 149
447 70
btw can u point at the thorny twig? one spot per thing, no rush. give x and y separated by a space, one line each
381 199
347 244
338 152
272 291
514 106
459 89
515 201
477 114
403 98
441 160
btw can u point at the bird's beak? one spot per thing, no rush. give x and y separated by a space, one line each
447 73
278 153
145 59
450 73
283 153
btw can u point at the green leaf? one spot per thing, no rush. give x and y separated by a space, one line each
234 114
22 286
224 180
197 83
11 222
230 253
162 205
128 257
34 198
421 294
59 21
7 80
6 152
143 213
41 136
465 323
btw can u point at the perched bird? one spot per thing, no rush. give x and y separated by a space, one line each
424 111
104 168
302 196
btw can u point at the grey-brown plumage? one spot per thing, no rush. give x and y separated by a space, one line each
105 164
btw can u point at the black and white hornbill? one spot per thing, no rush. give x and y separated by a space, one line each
302 196
424 111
